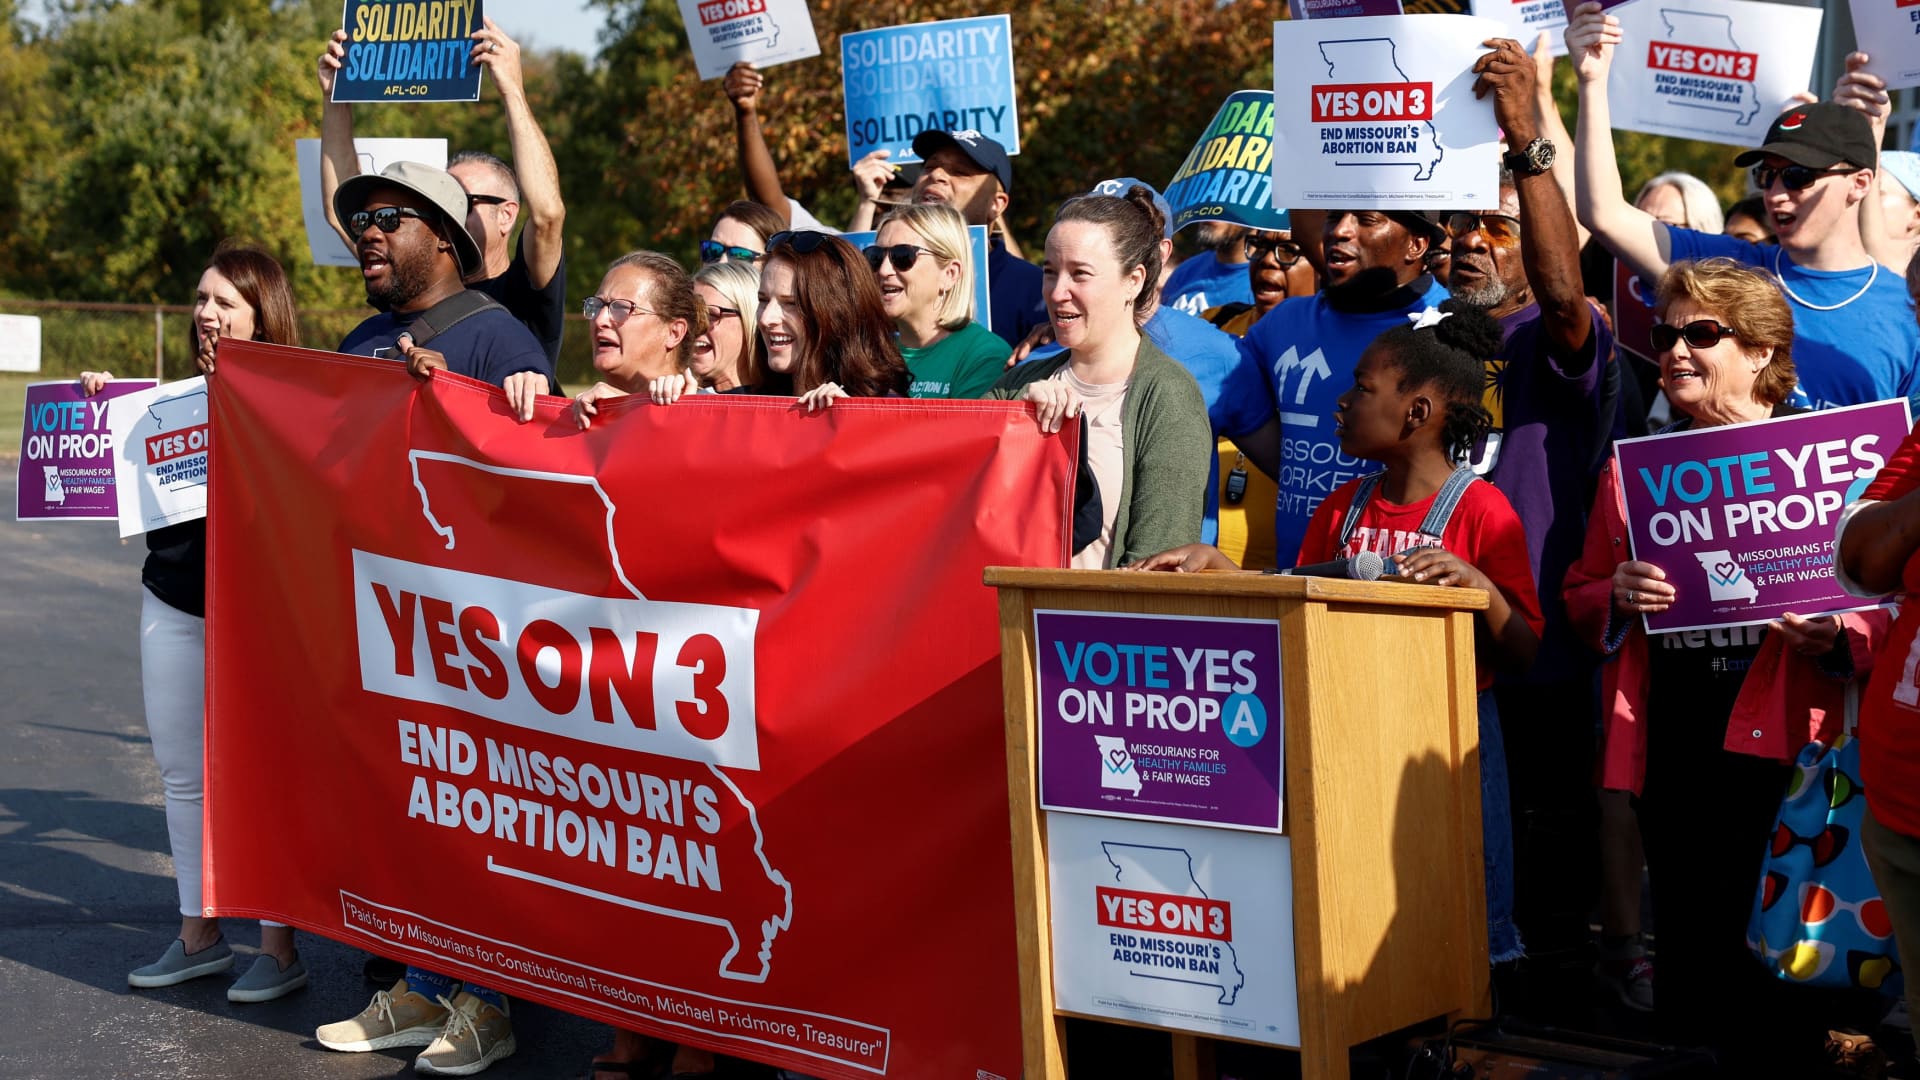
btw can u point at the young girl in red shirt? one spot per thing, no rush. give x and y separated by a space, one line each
1415 407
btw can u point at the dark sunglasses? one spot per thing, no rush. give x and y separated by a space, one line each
716 313
1500 229
1284 252
802 241
1698 334
903 256
486 200
387 217
712 251
1793 177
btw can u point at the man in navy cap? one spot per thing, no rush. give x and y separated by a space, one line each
972 173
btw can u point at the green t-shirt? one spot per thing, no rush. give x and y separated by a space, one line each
964 364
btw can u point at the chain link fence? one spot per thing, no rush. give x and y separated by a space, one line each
143 340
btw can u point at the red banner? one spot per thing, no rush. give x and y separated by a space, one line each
690 722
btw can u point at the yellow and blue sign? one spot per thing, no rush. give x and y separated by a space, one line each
409 50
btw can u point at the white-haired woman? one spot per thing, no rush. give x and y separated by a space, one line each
923 261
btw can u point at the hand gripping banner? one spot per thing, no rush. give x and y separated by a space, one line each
690 722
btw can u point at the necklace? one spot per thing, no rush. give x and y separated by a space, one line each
1796 298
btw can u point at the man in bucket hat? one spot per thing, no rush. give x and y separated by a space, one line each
408 230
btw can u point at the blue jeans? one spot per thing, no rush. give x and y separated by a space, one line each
1496 836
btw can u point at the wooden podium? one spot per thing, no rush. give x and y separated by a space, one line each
1381 799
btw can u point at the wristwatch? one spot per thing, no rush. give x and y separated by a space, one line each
1531 160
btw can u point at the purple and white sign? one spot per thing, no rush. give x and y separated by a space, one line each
1340 9
1741 517
1161 718
66 453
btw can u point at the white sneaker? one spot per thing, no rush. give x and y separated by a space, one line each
475 1036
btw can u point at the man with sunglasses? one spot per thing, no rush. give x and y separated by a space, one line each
530 282
1854 334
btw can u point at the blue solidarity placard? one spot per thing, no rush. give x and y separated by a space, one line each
941 76
409 50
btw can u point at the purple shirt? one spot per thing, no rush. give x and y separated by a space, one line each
1551 429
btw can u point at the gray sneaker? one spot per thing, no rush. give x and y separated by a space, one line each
177 965
265 980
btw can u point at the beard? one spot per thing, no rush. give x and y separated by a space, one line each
1489 294
409 273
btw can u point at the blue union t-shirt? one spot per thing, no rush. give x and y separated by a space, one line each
1204 282
1302 354
1861 351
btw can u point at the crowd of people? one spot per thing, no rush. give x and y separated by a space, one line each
1438 387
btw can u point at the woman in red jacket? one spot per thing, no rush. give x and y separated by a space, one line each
1708 792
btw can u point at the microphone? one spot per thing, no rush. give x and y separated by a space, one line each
1366 566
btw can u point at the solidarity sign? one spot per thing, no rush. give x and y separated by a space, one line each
603 777
1228 176
1741 518
1718 70
955 75
1379 113
409 50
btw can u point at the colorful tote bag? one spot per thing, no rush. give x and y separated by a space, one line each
1818 918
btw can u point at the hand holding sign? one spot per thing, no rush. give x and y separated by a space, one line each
1591 36
1640 588
1859 88
1508 73
743 85
500 55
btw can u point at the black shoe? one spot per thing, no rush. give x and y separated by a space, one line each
381 971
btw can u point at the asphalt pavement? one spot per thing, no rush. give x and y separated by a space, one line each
86 883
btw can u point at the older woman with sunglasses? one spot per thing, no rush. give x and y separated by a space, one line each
645 319
1725 345
923 262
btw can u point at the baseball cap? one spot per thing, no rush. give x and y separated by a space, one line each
1818 136
1904 166
1420 222
437 186
981 150
1118 188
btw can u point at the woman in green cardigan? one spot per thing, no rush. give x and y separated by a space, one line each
1147 434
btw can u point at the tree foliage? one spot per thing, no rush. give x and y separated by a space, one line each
140 134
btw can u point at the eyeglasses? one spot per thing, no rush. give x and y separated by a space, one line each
903 256
387 217
715 314
712 251
486 200
1500 230
1698 334
802 241
619 310
1793 177
1284 252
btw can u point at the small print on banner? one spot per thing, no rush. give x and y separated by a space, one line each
955 75
409 51
66 452
1888 31
374 155
161 439
1718 70
1228 175
1340 9
982 306
1741 517
723 33
1379 113
1525 20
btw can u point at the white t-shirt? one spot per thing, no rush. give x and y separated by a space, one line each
1102 404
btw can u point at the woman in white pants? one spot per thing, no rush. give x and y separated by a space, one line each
242 294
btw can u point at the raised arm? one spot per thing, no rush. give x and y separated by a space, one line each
743 85
533 166
1549 248
338 161
1553 127
1859 89
1632 234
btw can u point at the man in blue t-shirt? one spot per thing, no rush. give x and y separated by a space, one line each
1215 276
1278 404
1854 338
413 250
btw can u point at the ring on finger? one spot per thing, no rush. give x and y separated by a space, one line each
1633 598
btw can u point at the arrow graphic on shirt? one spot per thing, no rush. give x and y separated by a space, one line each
1315 363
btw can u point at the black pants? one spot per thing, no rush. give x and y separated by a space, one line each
1550 736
